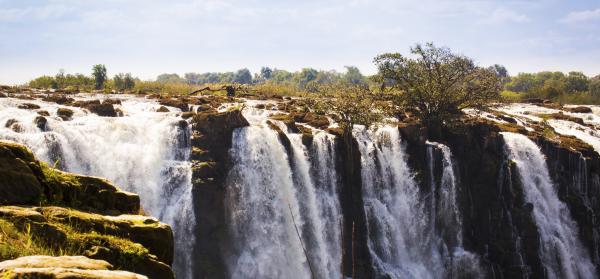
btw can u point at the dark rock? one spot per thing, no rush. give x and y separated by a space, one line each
105 110
163 109
112 101
183 106
43 113
187 114
85 103
59 99
64 113
28 106
2 95
580 109
10 122
533 101
41 122
19 184
507 119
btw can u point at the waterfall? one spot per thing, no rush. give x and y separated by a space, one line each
142 152
271 192
261 200
401 242
561 252
446 219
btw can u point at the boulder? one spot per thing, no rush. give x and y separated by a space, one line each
105 110
112 101
2 95
580 109
59 99
28 106
180 104
163 109
64 113
41 122
18 182
43 113
85 103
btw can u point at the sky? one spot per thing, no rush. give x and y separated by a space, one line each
147 37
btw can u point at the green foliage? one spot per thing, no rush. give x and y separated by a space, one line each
123 81
437 83
43 82
169 78
100 76
16 243
353 76
242 76
352 104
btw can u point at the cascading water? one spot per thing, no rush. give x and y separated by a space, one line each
445 216
400 238
272 194
143 152
561 252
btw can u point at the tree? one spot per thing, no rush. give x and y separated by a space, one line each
243 76
192 78
123 81
437 82
265 73
501 73
353 75
100 76
595 86
576 82
169 78
43 82
305 76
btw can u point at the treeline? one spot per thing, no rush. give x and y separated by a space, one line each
79 82
304 79
573 87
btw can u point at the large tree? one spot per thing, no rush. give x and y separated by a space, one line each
437 82
100 76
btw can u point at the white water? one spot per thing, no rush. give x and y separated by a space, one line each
446 219
266 187
143 152
261 198
400 239
562 254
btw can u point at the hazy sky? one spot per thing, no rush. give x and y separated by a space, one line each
148 37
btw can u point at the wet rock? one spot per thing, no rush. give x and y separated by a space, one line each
580 109
64 113
105 110
10 122
28 106
163 109
533 101
85 103
187 114
2 95
43 113
507 119
204 107
112 101
562 116
59 99
41 122
183 106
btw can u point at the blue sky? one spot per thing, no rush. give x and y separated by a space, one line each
148 37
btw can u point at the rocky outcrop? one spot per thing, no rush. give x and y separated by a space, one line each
104 109
77 267
64 113
211 139
49 211
176 103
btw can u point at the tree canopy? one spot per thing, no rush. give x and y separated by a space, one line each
100 76
437 82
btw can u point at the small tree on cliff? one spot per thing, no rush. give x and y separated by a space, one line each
99 73
437 82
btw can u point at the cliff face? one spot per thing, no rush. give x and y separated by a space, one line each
497 221
44 211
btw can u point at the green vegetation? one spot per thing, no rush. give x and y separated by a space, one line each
574 87
100 76
437 82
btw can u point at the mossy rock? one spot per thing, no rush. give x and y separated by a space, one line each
18 181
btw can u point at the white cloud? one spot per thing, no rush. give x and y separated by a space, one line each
502 15
582 16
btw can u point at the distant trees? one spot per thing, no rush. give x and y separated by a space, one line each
437 82
594 86
169 78
550 84
243 76
353 75
123 81
100 76
265 73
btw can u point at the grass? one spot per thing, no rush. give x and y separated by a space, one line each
15 243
